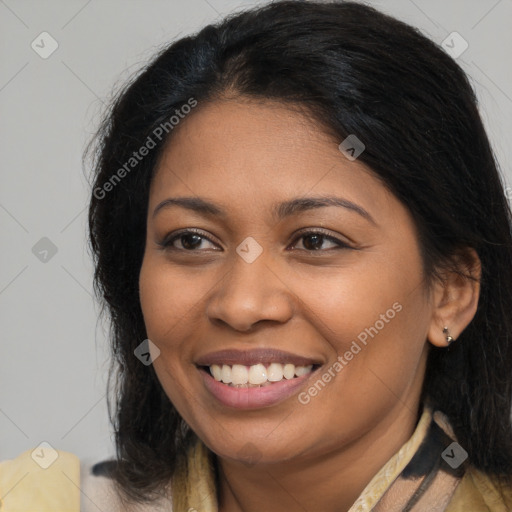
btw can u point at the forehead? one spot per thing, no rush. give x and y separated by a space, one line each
252 152
251 131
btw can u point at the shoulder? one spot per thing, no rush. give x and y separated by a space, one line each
41 478
477 489
46 479
96 487
99 492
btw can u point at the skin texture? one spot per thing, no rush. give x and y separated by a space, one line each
246 156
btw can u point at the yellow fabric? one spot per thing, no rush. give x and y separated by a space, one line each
195 488
476 492
27 486
379 484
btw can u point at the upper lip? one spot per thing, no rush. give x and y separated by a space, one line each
254 356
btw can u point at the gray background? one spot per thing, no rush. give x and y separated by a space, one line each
53 361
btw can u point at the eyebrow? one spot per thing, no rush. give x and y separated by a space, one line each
279 211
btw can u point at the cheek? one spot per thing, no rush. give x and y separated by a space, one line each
172 302
375 319
167 299
375 325
345 302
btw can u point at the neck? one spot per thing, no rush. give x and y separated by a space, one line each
330 482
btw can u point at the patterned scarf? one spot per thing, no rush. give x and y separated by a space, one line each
422 475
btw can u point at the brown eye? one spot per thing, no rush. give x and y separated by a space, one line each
189 240
315 240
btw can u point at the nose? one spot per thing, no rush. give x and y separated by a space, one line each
250 293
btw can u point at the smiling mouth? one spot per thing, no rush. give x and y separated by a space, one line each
258 375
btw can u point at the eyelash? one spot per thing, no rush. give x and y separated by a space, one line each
167 242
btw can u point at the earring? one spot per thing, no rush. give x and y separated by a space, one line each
449 339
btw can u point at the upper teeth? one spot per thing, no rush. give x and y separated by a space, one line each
257 374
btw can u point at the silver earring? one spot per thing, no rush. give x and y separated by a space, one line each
449 339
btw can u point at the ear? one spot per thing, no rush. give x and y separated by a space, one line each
455 298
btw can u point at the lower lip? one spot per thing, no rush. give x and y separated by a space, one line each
253 398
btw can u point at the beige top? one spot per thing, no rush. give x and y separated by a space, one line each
68 485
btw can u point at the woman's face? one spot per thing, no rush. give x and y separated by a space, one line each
272 276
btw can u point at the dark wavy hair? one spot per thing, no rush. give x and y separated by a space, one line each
354 70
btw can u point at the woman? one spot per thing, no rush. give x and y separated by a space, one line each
318 247
302 239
